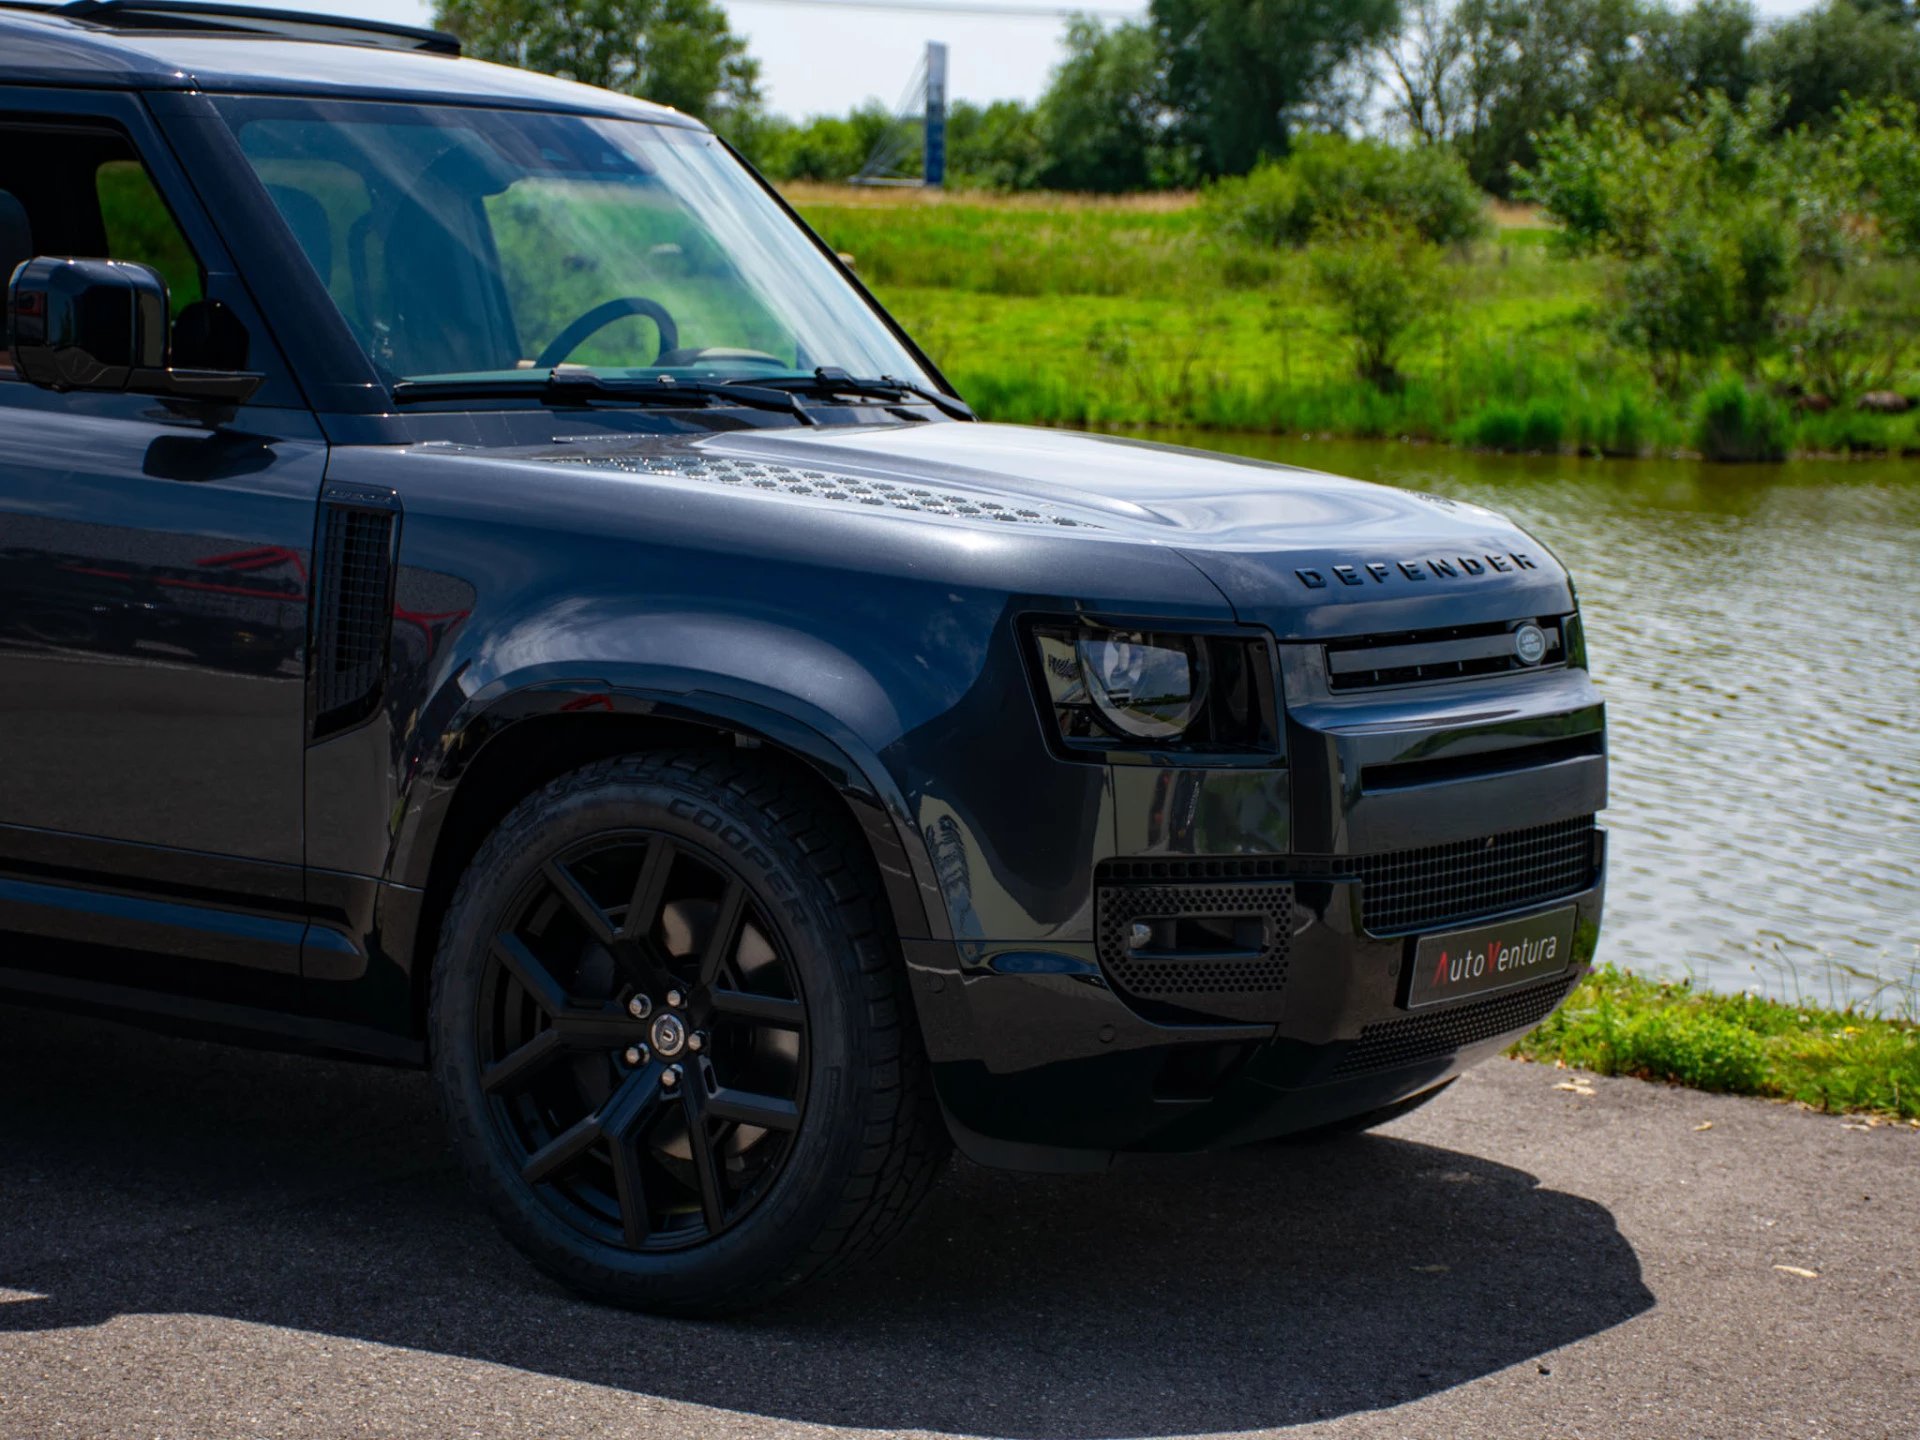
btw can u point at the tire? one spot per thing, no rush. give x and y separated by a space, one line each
626 1159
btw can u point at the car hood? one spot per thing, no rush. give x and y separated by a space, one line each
1303 552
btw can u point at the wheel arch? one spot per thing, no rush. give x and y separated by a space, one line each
508 743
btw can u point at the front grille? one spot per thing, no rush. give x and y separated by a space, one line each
1372 662
1406 890
1241 985
1423 1037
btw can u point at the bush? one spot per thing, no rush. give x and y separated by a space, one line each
1711 281
1737 422
1383 283
1330 183
1498 426
1710 213
997 146
1624 428
1504 425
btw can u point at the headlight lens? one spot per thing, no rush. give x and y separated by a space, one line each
1112 688
1146 687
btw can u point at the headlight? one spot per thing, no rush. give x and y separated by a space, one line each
1149 687
1113 688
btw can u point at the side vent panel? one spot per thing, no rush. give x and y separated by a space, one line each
353 613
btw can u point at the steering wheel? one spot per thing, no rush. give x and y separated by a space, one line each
603 315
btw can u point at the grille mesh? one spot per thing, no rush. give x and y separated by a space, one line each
1423 1037
1176 979
350 644
1413 889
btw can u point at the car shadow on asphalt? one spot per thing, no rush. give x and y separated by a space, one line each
140 1174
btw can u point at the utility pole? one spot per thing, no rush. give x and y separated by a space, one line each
934 169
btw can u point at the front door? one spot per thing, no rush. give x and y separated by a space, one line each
154 579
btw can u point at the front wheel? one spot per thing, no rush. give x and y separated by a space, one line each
672 1037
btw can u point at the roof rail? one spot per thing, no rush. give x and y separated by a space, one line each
198 18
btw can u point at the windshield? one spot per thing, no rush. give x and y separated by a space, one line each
483 245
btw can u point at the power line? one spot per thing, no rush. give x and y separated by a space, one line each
959 7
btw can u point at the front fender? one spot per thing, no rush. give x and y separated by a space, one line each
755 709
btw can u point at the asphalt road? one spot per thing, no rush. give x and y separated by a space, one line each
204 1242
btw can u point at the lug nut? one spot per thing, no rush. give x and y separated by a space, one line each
636 1055
670 1078
640 1007
696 1042
675 999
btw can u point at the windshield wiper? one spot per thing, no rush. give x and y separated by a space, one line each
830 380
569 382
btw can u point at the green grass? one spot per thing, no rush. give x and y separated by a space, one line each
1617 1023
1063 311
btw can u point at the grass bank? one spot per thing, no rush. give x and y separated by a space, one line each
1131 312
1619 1024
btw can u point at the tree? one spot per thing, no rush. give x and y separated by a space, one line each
1532 62
1840 50
998 145
1102 121
1706 47
1240 73
824 147
677 52
1424 66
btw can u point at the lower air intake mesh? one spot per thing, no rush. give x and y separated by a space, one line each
1426 1037
1238 985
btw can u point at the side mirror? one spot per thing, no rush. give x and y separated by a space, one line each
102 325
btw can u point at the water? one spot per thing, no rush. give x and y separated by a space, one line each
1756 631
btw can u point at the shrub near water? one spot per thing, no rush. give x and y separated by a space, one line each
1538 425
1738 422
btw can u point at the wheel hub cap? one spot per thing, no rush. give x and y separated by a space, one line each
669 1035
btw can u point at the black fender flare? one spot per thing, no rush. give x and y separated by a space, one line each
747 711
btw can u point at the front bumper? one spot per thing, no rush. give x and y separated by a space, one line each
1053 1052
1042 1064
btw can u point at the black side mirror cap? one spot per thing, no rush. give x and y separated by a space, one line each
102 325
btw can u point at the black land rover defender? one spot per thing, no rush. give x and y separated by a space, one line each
481 586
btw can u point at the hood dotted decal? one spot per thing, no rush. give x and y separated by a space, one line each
825 485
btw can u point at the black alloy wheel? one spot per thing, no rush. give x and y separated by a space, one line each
643 1041
672 1034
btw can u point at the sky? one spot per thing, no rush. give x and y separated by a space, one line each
816 61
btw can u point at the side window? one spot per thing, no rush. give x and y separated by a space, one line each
81 191
140 227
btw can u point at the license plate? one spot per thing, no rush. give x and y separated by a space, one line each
1491 957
